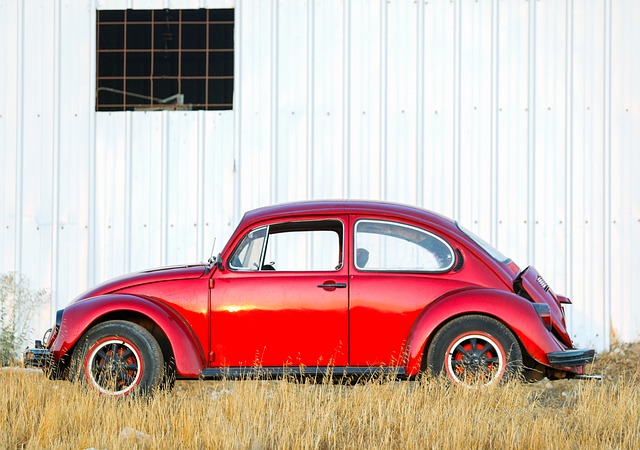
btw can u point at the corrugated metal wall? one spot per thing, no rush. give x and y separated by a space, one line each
519 118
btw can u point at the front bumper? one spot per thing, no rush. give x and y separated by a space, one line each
37 357
571 358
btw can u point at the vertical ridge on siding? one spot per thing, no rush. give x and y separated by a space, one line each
239 76
606 148
310 100
128 191
200 239
55 188
92 223
164 193
420 107
457 74
383 194
274 37
494 124
20 112
531 136
568 183
346 99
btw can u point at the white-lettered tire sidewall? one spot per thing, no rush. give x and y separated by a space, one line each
484 329
142 350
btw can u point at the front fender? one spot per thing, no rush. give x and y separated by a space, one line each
78 317
515 312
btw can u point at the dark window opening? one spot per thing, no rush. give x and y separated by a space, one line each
164 59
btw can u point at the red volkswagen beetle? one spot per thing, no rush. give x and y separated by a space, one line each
339 287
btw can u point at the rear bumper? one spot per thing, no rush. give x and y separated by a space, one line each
37 357
571 358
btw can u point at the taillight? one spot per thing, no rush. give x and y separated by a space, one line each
544 312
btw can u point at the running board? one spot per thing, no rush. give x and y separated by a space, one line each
216 373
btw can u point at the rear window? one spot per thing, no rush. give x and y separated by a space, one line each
492 251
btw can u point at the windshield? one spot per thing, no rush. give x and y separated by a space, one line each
492 251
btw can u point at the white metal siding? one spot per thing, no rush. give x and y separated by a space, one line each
519 118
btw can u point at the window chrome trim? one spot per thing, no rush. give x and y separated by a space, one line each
263 252
449 248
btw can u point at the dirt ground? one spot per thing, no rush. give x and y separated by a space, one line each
622 362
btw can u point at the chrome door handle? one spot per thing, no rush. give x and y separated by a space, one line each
332 285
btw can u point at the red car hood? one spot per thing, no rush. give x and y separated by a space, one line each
146 277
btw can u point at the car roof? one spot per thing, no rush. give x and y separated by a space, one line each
343 207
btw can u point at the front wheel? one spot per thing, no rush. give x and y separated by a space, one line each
118 358
475 351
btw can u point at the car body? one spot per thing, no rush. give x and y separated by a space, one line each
339 287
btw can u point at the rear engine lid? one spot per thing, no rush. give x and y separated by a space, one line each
530 285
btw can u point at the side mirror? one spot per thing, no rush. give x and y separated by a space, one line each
218 262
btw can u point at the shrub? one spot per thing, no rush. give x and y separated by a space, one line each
18 302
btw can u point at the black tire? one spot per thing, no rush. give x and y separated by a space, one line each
475 351
119 358
169 375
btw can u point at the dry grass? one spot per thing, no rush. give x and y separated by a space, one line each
37 413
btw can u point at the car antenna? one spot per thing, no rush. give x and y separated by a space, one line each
212 258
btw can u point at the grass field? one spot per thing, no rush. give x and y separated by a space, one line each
40 414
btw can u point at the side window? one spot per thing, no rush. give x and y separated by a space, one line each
396 247
247 255
292 247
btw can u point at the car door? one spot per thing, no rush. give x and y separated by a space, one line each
282 299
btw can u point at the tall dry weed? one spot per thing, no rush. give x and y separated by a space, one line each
38 413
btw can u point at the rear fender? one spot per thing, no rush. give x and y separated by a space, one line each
79 317
513 311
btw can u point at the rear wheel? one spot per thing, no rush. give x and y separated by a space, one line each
118 358
475 351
